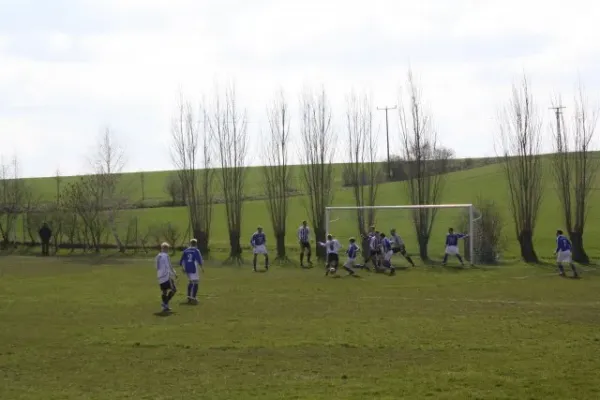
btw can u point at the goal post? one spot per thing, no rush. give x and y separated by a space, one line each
468 209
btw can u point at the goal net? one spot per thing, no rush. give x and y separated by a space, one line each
345 222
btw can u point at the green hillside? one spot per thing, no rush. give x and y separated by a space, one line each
461 187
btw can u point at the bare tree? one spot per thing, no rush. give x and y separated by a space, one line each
520 132
228 127
317 156
13 193
575 168
84 199
108 167
422 156
362 171
276 172
192 156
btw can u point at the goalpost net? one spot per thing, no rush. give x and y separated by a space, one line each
343 223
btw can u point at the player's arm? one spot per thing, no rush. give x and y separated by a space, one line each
170 266
199 260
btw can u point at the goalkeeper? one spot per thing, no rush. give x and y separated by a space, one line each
399 247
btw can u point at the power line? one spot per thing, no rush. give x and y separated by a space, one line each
387 137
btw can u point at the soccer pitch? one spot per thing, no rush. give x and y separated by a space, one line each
75 328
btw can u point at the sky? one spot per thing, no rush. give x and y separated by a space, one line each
69 69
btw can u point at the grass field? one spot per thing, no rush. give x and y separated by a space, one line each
78 328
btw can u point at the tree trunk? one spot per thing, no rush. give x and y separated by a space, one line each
234 243
579 253
527 250
366 248
280 240
202 238
320 236
423 247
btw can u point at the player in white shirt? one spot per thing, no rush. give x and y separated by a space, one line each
398 246
304 240
166 276
333 247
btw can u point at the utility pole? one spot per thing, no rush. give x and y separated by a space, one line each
558 112
387 137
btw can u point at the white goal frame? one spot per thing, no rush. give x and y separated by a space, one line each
469 207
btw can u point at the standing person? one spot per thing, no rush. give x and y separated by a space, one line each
191 261
563 254
304 239
375 250
45 235
387 253
259 246
333 247
368 254
398 246
166 276
452 246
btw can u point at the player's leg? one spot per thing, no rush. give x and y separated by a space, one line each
387 262
406 256
302 254
308 253
460 258
196 284
194 280
266 260
327 263
254 257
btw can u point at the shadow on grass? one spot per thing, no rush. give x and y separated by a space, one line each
163 314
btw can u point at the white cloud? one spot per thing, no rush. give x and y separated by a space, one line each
64 76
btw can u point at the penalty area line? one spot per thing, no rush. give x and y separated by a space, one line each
485 301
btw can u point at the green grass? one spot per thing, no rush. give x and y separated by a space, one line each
73 328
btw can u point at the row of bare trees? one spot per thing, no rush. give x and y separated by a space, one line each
574 165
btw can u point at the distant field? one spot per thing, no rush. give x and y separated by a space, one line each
74 328
461 187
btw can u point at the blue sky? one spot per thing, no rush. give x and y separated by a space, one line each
70 68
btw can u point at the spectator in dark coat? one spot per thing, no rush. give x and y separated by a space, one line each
45 235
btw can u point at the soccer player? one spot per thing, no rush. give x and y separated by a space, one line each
386 250
333 247
304 239
375 250
259 246
351 252
399 247
191 262
367 238
166 275
452 246
563 254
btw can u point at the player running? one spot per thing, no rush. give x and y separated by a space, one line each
259 246
387 252
304 239
399 247
375 249
352 253
563 254
191 262
452 246
333 247
166 276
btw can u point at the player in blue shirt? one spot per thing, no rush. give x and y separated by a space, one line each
563 254
259 246
452 246
352 253
191 262
388 252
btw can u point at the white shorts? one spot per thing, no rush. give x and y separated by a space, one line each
350 263
194 277
452 250
564 256
260 249
388 256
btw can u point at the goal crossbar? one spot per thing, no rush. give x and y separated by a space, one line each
469 207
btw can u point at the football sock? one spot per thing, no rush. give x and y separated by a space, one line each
194 290
164 298
574 269
190 288
561 269
302 258
266 261
410 260
445 259
170 296
350 271
459 258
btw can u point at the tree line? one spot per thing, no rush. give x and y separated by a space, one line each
210 151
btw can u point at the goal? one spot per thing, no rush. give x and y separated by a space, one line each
343 222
